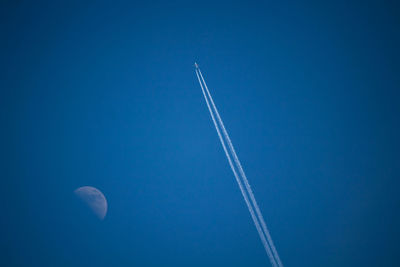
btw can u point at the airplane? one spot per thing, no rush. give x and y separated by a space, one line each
197 66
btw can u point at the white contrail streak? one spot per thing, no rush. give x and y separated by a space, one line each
243 175
246 199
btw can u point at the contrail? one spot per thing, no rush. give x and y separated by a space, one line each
242 173
246 199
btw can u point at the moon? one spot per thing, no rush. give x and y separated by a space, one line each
94 198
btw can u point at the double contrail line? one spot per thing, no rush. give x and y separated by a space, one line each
256 216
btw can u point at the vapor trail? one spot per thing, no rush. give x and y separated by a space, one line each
246 199
242 173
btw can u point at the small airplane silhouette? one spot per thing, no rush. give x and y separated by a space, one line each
197 66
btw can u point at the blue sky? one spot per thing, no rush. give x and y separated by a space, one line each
105 94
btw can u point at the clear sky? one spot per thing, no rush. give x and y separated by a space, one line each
105 94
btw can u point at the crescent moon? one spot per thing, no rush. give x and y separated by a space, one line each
94 198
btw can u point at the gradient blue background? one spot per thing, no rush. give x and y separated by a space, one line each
105 94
